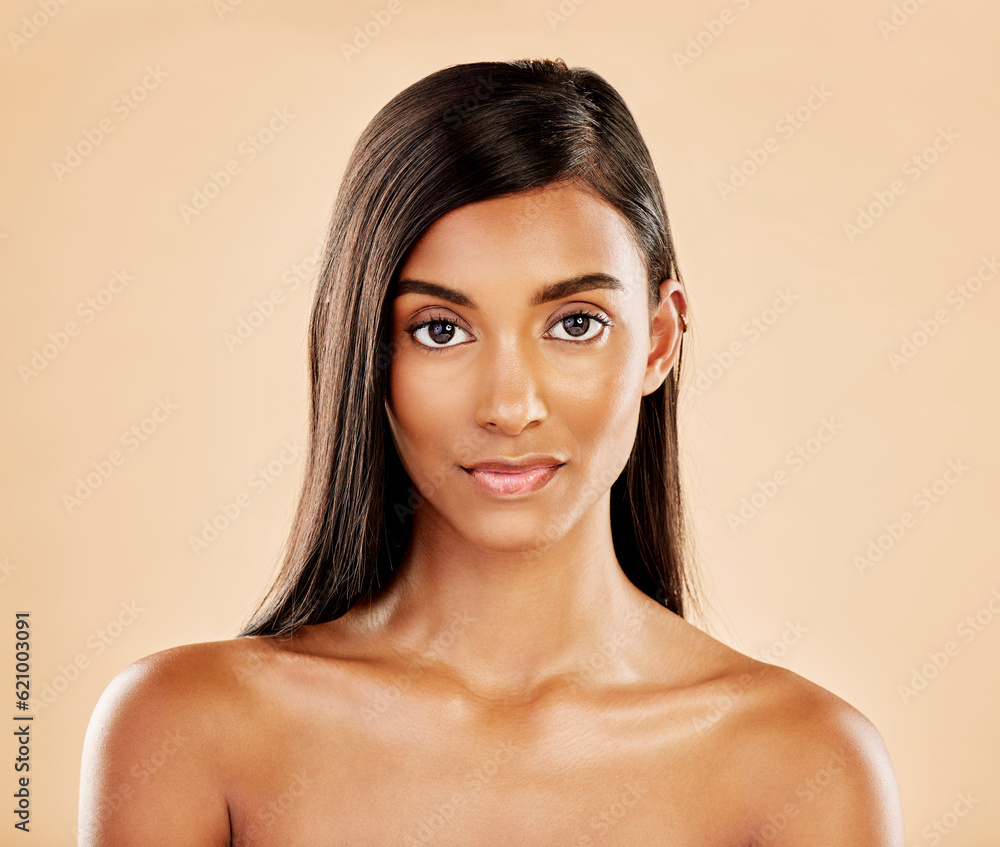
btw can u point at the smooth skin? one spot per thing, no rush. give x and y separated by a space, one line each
510 686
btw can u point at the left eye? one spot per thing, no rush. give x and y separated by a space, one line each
439 331
579 324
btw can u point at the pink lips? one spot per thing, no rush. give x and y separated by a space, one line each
523 482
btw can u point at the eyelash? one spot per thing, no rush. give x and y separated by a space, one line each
433 319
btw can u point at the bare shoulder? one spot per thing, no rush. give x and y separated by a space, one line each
801 765
813 768
155 753
198 683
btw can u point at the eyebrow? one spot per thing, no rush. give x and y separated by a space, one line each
545 294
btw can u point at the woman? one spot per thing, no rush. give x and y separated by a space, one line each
477 635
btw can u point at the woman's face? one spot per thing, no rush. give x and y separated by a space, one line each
498 355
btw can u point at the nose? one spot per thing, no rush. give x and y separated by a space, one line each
511 391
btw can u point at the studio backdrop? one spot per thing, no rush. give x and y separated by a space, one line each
832 178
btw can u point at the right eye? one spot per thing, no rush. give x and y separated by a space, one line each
439 332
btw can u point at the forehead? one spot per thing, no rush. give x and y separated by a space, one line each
526 239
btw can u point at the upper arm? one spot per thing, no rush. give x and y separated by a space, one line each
833 783
149 771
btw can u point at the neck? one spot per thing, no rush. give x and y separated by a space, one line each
507 621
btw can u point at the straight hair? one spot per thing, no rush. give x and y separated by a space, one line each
463 134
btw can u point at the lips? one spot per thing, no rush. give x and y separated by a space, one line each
501 477
525 463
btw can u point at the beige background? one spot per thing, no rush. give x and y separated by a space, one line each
785 586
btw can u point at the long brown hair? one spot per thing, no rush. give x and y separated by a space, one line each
463 134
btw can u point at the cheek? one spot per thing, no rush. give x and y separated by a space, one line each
409 407
595 402
425 406
600 404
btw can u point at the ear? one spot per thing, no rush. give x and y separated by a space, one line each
665 335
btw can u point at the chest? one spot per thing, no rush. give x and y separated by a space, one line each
572 779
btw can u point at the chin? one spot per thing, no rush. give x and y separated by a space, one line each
512 532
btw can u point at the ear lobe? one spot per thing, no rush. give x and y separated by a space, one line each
665 335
